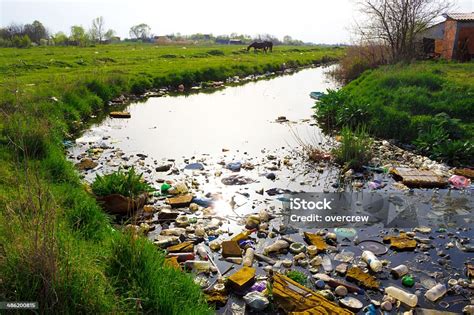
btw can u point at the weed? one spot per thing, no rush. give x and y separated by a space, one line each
297 276
354 151
128 184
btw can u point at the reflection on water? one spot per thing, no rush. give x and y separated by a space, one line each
237 118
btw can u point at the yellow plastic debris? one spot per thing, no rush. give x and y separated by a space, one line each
216 297
316 240
401 242
242 278
363 279
296 299
185 247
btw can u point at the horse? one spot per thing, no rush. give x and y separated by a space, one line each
266 45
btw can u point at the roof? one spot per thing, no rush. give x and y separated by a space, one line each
460 16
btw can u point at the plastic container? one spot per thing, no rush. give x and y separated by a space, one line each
248 257
399 271
403 296
435 292
372 261
198 266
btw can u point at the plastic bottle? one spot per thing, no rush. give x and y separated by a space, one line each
399 271
198 266
435 292
201 251
243 235
374 263
248 257
404 297
327 264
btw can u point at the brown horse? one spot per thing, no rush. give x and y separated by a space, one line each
265 46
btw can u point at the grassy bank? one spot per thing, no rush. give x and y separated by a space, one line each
57 246
429 105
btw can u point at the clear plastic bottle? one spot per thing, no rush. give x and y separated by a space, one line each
403 296
374 263
327 264
435 292
399 271
248 257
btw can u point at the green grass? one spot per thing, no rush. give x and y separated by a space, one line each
297 276
428 104
56 244
354 151
126 183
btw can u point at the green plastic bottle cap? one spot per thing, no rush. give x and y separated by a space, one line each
408 281
165 187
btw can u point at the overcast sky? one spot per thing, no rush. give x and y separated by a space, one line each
318 21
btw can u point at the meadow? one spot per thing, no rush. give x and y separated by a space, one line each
57 246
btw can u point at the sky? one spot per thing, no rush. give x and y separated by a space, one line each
317 21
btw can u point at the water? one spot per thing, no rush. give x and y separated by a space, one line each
235 118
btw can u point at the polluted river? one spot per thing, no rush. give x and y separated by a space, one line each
229 165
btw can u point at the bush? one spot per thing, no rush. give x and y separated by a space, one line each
215 52
140 85
129 184
297 276
354 151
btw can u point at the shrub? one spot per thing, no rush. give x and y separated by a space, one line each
215 52
354 151
455 152
297 276
140 85
128 184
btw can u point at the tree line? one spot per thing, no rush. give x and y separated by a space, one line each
36 34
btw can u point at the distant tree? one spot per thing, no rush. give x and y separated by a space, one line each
35 31
268 37
287 39
78 35
21 41
109 35
97 30
60 38
397 23
140 31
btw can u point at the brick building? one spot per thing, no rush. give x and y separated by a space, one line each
451 39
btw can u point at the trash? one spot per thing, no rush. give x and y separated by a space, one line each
234 166
281 119
312 250
266 259
256 300
198 266
201 251
386 306
376 184
345 232
317 95
185 247
459 182
363 279
408 281
399 271
470 270
292 297
276 247
242 278
215 245
372 261
163 168
231 249
402 296
182 221
194 166
334 283
400 243
344 256
165 241
466 172
167 215
203 202
436 292
248 257
342 268
180 201
259 286
182 257
216 297
315 240
120 115
172 262
243 235
351 303
326 263
418 178
236 180
341 291
297 248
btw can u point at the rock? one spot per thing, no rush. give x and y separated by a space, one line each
270 176
194 166
120 115
163 168
180 201
86 164
245 277
341 291
256 300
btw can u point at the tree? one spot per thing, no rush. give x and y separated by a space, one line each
397 24
140 31
35 31
109 35
78 35
97 30
59 38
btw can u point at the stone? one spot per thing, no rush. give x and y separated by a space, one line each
180 201
120 115
341 291
86 164
386 306
163 168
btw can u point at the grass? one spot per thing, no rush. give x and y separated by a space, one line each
57 246
427 104
297 276
354 151
125 183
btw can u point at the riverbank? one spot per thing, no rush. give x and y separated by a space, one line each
428 105
59 247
